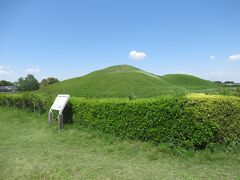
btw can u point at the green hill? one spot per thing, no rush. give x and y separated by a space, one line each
188 82
125 80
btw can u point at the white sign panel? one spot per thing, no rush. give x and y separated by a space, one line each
60 102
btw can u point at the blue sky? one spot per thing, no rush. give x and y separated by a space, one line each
69 38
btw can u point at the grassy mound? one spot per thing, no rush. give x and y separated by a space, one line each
124 81
188 82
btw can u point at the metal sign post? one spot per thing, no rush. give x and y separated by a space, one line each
59 105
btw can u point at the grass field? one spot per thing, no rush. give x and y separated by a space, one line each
124 81
29 149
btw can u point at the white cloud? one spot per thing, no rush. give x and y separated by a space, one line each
10 74
212 57
223 75
134 55
234 57
6 71
32 70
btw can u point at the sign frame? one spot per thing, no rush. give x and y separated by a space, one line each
60 102
58 105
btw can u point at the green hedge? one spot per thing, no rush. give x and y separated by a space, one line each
188 121
30 101
224 111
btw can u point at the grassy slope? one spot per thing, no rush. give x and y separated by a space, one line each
29 149
188 81
124 80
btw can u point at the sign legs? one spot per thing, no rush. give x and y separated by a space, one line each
60 120
50 117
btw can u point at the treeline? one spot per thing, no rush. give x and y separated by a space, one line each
228 83
5 83
29 83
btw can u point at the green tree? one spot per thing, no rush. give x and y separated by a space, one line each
29 83
20 84
5 83
48 81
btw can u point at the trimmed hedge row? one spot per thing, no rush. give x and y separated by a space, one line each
188 121
32 102
224 111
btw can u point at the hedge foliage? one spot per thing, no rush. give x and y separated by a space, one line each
188 121
224 111
30 101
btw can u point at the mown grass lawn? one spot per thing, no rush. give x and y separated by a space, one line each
30 149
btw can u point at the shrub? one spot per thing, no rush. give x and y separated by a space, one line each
188 121
165 119
221 110
30 101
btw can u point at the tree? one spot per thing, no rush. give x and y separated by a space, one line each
29 83
20 84
5 83
229 82
48 81
218 82
43 83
